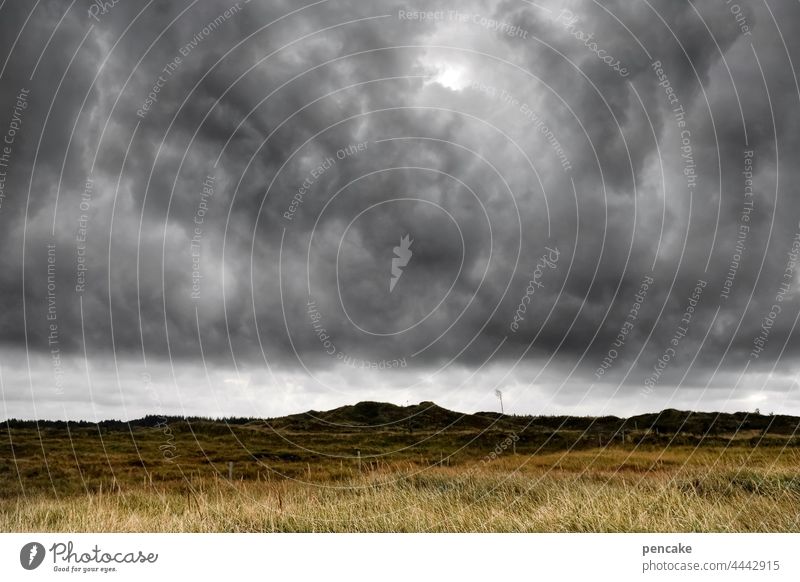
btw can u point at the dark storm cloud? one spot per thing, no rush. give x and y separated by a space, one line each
466 131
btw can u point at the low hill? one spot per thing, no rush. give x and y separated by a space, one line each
427 416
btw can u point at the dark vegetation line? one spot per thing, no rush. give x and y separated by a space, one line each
429 416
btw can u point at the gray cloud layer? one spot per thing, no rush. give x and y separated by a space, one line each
488 132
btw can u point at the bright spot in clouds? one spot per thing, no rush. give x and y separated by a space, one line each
447 74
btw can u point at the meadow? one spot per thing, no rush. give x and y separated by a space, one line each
443 474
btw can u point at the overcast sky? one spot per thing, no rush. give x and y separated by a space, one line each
204 206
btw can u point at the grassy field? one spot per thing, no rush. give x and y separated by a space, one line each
505 477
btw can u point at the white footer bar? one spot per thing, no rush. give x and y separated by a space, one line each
406 557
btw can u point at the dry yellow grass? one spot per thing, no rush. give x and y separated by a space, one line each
590 491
